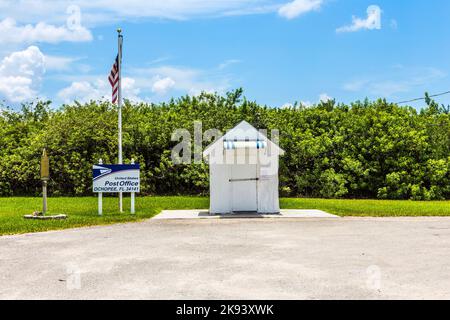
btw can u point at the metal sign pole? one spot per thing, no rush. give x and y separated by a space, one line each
45 176
44 197
133 211
100 196
120 42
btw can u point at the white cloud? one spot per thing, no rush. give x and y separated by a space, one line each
306 104
58 63
107 11
161 86
97 89
372 22
45 21
83 91
182 79
298 7
11 32
287 106
130 91
21 74
161 81
324 97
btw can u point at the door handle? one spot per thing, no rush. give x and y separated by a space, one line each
241 180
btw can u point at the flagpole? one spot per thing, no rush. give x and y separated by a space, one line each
119 103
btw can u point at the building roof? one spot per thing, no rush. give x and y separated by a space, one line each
244 131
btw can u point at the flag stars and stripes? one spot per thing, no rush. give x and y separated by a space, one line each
114 80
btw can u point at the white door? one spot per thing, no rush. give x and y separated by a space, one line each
243 184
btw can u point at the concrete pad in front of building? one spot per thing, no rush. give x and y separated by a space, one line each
294 213
204 214
233 259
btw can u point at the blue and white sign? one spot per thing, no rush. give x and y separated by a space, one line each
116 178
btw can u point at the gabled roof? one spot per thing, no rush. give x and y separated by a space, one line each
244 131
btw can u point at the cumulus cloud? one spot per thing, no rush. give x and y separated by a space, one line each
287 106
97 90
145 81
324 97
11 32
193 81
296 8
130 91
83 91
161 86
372 22
21 74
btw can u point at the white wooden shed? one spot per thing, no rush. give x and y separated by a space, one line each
243 172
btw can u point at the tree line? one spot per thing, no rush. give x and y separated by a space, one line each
366 149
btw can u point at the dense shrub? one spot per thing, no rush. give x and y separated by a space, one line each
363 150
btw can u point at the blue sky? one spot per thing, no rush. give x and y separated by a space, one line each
278 51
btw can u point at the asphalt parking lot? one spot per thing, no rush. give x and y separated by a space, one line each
348 258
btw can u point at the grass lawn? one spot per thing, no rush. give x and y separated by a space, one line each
83 211
372 208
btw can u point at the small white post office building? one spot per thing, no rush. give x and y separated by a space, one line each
243 172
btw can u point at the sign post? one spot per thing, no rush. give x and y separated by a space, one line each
100 196
45 176
133 211
116 178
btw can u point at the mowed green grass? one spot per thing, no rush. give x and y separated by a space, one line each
372 208
82 212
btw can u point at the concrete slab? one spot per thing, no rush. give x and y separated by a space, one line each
204 214
295 213
238 259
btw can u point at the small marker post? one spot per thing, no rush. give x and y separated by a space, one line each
133 211
100 197
45 177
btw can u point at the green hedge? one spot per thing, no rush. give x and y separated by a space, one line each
362 150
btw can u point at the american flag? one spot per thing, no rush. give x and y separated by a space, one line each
114 80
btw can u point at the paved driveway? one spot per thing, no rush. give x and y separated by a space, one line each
345 258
